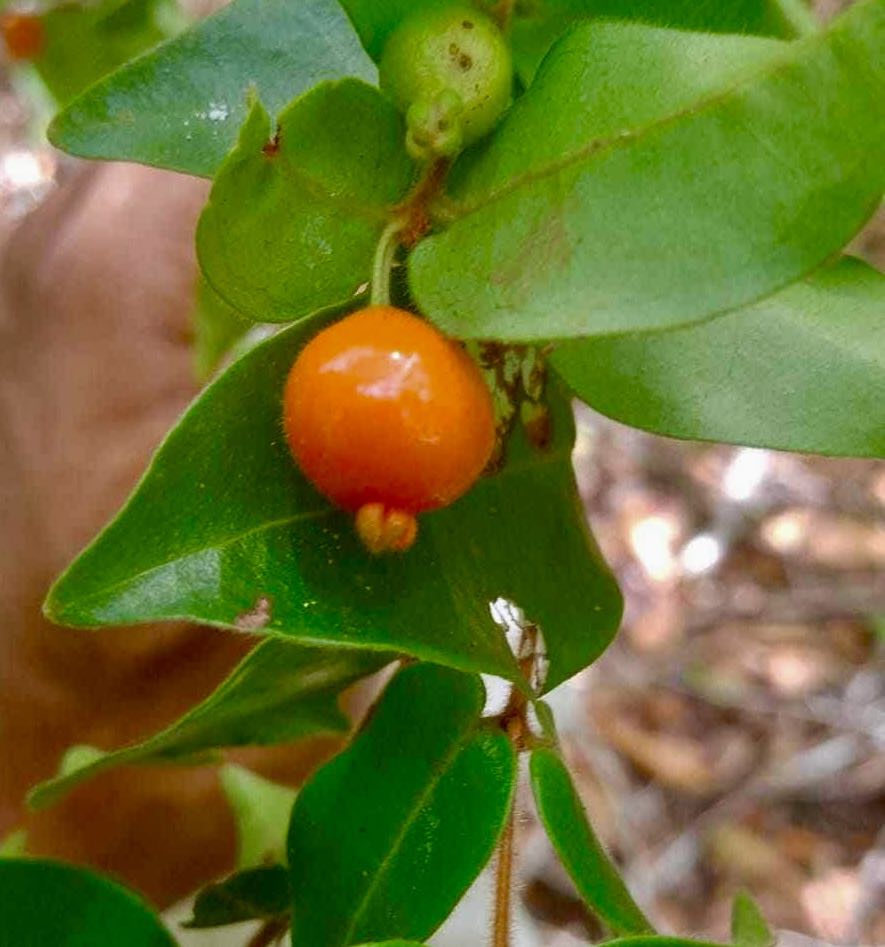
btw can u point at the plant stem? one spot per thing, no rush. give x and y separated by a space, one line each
513 720
383 263
269 933
504 883
502 12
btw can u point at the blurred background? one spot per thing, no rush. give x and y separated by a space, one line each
734 735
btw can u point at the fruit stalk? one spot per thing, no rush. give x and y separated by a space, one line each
385 254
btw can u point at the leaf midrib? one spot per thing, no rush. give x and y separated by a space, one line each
784 61
458 747
83 601
187 554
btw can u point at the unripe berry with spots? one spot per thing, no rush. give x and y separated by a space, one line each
450 70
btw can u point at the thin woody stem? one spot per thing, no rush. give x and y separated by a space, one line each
271 932
513 719
504 883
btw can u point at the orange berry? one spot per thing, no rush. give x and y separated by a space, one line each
388 418
23 35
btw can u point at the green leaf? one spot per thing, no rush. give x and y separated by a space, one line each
537 27
217 328
47 903
595 877
224 530
800 371
291 226
546 722
180 106
386 838
85 41
14 845
395 943
748 926
654 940
254 894
586 216
280 692
375 20
261 809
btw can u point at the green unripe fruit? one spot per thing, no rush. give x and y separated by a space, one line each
449 69
435 128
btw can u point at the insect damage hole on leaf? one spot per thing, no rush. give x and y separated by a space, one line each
255 618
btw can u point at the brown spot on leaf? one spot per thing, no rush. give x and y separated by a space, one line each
272 147
547 246
257 617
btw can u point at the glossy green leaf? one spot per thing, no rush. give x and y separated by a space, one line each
395 943
254 894
595 877
538 25
261 810
291 226
654 940
802 370
280 692
748 926
386 838
375 20
546 722
224 530
46 903
14 845
217 328
85 41
181 106
568 226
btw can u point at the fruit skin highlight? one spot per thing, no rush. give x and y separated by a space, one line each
388 418
449 69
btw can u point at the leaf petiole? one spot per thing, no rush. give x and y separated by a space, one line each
382 264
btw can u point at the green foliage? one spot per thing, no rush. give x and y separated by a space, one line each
281 691
778 374
663 205
294 217
14 845
748 926
261 810
217 327
403 820
669 218
375 20
253 894
47 903
595 877
180 106
540 23
85 41
224 530
659 941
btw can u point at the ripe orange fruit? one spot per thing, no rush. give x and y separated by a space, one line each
388 418
22 34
